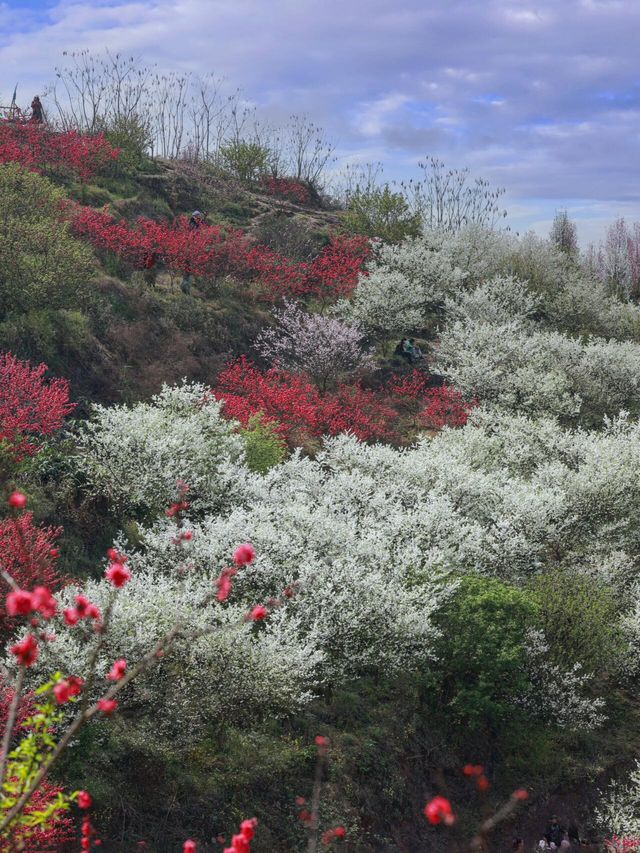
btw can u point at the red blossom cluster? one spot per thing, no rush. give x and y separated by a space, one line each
622 844
84 609
297 409
438 810
476 771
30 407
88 835
240 843
332 834
334 272
209 252
445 406
27 554
67 688
70 153
287 188
53 837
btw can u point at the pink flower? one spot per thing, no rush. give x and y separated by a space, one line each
189 846
247 828
19 602
44 602
26 651
107 706
84 800
244 554
117 670
17 500
117 574
223 584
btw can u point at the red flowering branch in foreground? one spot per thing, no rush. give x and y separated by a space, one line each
37 606
39 149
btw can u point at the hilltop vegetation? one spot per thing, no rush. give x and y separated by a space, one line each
446 549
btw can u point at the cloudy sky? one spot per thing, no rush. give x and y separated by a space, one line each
539 96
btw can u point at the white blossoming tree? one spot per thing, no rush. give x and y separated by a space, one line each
134 455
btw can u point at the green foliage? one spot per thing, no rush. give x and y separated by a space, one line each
379 212
263 446
580 619
246 160
131 134
482 650
25 761
40 263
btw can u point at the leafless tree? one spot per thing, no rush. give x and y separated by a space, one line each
306 148
446 199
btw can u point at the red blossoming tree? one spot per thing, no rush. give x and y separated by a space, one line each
30 407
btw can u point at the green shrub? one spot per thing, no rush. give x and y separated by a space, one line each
263 446
40 262
482 650
132 135
379 212
246 160
580 619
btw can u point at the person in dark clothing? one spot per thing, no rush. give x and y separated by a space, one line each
196 220
401 351
554 831
37 113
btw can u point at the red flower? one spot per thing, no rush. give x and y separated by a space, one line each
321 741
75 685
17 500
93 612
115 556
117 574
468 770
71 615
520 794
84 800
19 602
244 554
258 613
62 692
331 834
82 602
223 584
44 602
247 828
107 706
482 783
438 810
26 651
117 670
189 846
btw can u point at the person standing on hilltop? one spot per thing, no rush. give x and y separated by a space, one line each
37 113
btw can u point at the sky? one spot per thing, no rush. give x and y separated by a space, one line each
541 98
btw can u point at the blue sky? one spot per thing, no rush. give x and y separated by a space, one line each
539 96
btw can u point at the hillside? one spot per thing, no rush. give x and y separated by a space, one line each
430 562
